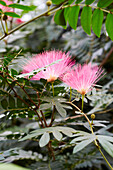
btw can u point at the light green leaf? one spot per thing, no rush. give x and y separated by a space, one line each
44 139
82 145
107 146
83 138
30 136
11 167
108 138
88 2
57 135
23 7
66 106
60 19
60 109
104 3
86 19
97 20
109 25
45 106
12 14
73 16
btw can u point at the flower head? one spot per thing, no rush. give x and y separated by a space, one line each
51 73
5 8
82 78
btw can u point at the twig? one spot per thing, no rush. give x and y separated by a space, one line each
52 116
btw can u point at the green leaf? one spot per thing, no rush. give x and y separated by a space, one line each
73 16
66 13
37 70
3 3
60 109
57 135
45 106
19 103
11 102
60 19
23 7
109 25
88 2
70 1
66 106
78 1
108 138
82 145
12 14
104 3
13 72
82 138
4 104
66 130
57 2
108 147
97 20
11 167
44 139
86 19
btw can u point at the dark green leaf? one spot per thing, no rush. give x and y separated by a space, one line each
59 18
78 1
3 3
23 7
12 14
70 1
109 25
4 104
19 103
11 102
13 72
86 19
73 16
97 20
104 3
88 2
58 1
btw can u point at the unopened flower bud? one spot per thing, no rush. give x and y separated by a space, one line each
5 17
49 3
92 116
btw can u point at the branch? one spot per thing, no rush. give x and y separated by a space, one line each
24 24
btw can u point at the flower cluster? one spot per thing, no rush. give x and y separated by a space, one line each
81 78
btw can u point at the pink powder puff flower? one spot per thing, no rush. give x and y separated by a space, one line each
5 8
83 78
52 72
